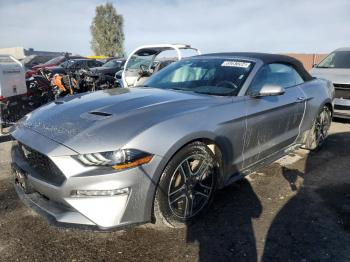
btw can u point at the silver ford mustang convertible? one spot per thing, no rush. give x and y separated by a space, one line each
158 153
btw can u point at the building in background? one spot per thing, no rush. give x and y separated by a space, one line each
20 52
308 60
30 57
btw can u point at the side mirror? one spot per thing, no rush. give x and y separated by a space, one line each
270 90
314 65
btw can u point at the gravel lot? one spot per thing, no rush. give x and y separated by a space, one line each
297 209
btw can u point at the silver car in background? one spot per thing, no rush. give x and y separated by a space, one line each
336 68
158 153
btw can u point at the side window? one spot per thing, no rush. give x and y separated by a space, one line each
76 64
91 63
275 74
97 63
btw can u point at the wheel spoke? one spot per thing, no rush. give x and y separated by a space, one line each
202 168
204 186
183 173
181 188
177 197
326 124
177 194
320 137
202 194
203 190
189 206
186 168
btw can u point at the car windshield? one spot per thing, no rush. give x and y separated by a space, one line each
136 61
55 60
113 63
211 76
338 59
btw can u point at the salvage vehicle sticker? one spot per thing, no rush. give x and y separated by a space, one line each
236 64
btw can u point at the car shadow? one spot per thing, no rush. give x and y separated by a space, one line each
225 232
314 225
341 120
5 138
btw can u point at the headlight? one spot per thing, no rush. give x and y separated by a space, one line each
120 159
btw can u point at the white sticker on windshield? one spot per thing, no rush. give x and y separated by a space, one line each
236 64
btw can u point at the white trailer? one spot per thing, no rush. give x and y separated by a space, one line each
13 89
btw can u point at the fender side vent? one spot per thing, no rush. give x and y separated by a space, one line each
100 113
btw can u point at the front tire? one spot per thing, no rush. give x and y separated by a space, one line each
186 187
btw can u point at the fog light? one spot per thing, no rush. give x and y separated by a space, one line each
91 193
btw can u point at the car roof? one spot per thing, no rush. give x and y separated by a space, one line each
266 59
343 49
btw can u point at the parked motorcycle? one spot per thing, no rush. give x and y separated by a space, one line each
39 92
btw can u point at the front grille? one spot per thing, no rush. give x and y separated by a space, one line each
342 91
43 166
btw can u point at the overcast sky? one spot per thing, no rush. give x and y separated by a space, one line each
220 25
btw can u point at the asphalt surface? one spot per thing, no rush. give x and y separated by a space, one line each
297 209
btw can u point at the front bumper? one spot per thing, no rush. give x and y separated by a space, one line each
57 204
56 214
342 108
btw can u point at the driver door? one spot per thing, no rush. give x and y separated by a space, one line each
272 121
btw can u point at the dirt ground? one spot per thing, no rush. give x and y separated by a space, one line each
297 209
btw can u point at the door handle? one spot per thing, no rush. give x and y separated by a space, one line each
301 99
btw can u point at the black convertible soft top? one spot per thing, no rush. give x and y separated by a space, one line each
268 59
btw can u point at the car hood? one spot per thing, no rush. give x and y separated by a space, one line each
107 120
338 76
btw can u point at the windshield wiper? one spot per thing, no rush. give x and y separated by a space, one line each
181 89
210 93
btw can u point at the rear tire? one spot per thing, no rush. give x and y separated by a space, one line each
186 187
319 130
2 125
